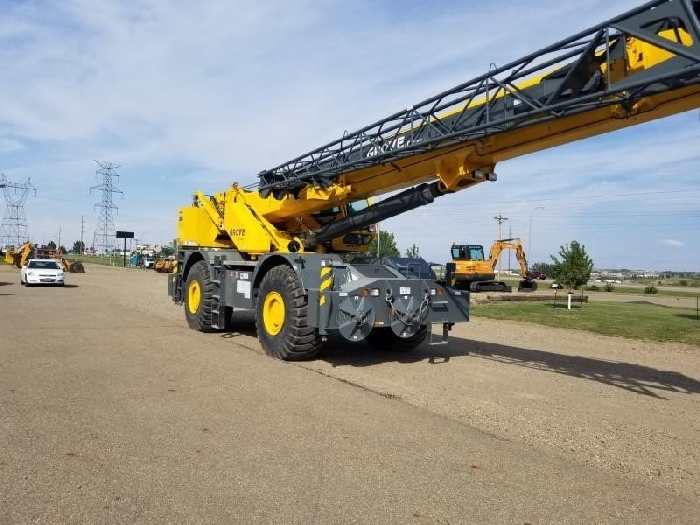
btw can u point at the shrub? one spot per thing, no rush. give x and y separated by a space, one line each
609 287
651 289
683 282
594 288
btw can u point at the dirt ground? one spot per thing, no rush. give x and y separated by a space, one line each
628 409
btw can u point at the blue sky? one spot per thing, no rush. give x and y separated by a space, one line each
197 95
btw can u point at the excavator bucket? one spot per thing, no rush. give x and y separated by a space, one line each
527 285
76 267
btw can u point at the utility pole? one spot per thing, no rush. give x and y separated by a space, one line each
82 230
500 219
59 238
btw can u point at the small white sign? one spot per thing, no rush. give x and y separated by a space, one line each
244 288
404 290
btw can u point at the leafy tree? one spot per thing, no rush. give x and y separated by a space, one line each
387 246
574 268
78 247
413 252
51 245
543 267
63 249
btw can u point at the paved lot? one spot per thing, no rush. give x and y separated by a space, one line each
112 411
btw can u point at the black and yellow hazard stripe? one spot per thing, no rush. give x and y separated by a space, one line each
326 283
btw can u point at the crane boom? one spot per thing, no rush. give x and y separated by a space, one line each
638 66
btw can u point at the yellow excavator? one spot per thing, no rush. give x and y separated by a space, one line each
19 257
164 265
275 247
471 271
9 255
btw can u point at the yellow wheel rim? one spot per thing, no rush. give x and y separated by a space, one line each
194 297
273 313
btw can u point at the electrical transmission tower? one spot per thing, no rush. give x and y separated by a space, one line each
105 226
13 230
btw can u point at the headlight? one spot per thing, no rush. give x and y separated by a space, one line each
30 273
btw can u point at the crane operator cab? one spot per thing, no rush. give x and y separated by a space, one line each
469 252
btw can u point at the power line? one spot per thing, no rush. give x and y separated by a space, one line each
13 230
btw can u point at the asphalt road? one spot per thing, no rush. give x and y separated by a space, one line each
112 411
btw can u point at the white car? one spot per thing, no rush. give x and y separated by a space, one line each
42 271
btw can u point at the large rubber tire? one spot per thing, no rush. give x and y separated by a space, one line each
385 339
199 293
281 317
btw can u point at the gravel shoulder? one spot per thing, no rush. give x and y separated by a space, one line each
629 406
139 408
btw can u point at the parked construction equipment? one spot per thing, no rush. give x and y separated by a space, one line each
19 257
164 265
275 248
472 271
28 251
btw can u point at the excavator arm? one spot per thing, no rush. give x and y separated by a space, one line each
509 244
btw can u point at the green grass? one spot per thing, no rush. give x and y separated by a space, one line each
662 292
637 321
104 261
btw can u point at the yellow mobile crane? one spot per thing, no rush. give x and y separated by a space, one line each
273 247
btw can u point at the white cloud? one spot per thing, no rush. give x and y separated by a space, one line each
674 243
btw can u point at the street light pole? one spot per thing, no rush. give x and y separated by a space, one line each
529 231
500 219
